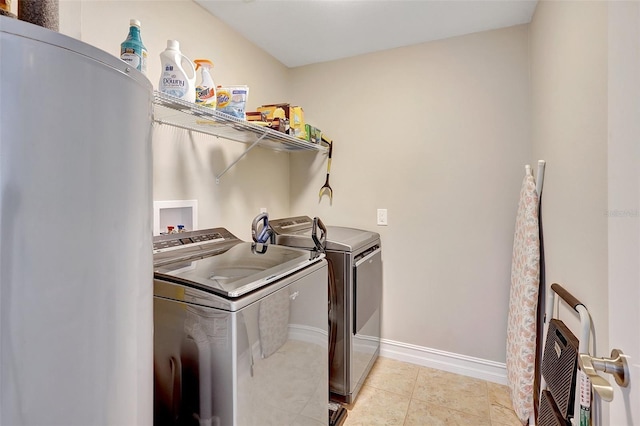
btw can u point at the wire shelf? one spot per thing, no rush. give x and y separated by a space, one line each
186 115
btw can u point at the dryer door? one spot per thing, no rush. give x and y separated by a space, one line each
368 294
367 274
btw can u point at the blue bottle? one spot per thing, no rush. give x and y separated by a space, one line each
132 51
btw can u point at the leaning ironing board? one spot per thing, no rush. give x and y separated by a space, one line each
523 329
528 376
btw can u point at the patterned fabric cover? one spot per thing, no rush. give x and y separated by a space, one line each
523 301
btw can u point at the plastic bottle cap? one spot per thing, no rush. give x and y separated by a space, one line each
203 62
134 22
173 44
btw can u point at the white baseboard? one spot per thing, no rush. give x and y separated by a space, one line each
478 368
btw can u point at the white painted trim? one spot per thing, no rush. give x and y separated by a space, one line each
478 368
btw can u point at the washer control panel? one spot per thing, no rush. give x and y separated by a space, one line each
167 242
291 224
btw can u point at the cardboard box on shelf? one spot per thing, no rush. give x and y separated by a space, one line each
268 110
296 121
280 124
295 115
256 116
313 134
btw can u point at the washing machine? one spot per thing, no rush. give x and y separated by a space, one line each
240 332
355 282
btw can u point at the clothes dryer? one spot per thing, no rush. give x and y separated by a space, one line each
241 332
355 274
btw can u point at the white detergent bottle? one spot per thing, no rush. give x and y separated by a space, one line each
174 79
206 90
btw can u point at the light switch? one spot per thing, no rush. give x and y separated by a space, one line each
382 217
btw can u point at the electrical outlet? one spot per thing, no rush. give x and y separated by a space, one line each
382 217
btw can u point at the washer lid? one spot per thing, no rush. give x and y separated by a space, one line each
350 239
296 232
238 270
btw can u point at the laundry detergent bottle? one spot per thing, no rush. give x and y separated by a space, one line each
132 51
206 90
178 77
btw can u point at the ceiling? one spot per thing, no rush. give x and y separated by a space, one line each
302 32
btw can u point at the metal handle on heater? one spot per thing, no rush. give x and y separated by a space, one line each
617 366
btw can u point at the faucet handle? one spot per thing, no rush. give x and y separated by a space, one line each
616 365
261 234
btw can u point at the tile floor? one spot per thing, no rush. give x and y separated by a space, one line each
398 393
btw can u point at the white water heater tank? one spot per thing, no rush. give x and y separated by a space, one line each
76 275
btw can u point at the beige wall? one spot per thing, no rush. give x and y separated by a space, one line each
624 200
569 128
438 134
185 165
